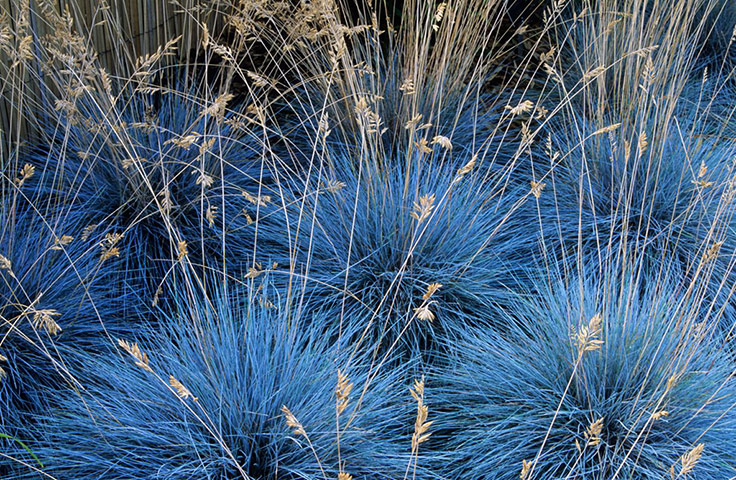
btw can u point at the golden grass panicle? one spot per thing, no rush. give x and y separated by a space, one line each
87 231
593 73
701 181
206 181
424 208
431 290
524 107
254 271
526 467
407 87
182 391
344 476
6 264
61 242
261 200
712 252
184 142
334 186
438 15
421 425
660 414
413 121
442 141
181 248
25 174
467 168
689 460
643 143
593 432
218 107
44 318
134 350
109 246
608 129
537 188
424 313
342 391
423 146
210 213
292 422
587 337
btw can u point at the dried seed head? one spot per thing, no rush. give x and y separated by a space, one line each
643 143
438 14
109 248
254 272
594 73
424 208
218 107
292 422
261 200
181 249
61 242
421 425
209 214
334 186
442 141
184 142
181 390
524 107
712 252
690 459
424 313
87 231
342 391
204 180
134 350
25 174
413 122
468 167
660 414
537 188
607 129
423 146
44 318
588 336
408 87
6 265
431 290
701 181
526 467
593 432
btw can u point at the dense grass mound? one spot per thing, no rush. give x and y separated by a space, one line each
57 295
366 243
243 363
665 204
603 382
158 169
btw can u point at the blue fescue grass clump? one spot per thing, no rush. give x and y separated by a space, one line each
649 387
663 202
56 295
159 168
243 362
358 245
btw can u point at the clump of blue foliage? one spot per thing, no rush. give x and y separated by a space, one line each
657 386
358 251
242 361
